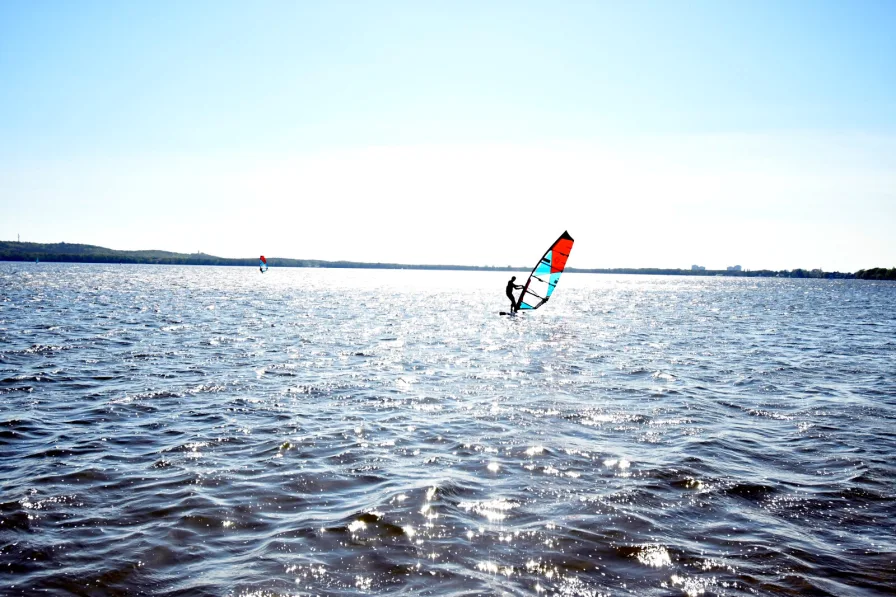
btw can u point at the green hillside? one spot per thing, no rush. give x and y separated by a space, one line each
67 252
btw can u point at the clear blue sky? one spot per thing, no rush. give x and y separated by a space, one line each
658 133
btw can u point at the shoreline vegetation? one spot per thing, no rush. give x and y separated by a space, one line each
78 253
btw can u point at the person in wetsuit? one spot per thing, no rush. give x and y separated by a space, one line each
511 285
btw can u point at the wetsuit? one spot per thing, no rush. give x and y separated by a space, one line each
510 287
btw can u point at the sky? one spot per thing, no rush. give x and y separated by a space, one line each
660 134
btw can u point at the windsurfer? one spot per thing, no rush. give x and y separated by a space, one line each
511 285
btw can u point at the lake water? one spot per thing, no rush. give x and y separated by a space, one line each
216 431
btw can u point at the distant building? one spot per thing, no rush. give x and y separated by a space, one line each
698 268
734 268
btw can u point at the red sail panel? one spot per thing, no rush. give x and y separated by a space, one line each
560 253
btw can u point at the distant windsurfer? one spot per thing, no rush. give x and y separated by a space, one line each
511 286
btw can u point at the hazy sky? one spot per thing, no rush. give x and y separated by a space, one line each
658 133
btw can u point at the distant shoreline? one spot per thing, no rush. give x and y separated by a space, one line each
78 253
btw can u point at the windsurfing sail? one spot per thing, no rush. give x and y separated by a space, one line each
545 275
263 264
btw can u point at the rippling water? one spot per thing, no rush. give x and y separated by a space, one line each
215 431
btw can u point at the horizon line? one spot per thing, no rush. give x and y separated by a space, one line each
246 261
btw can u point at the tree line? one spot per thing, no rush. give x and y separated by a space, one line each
79 253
